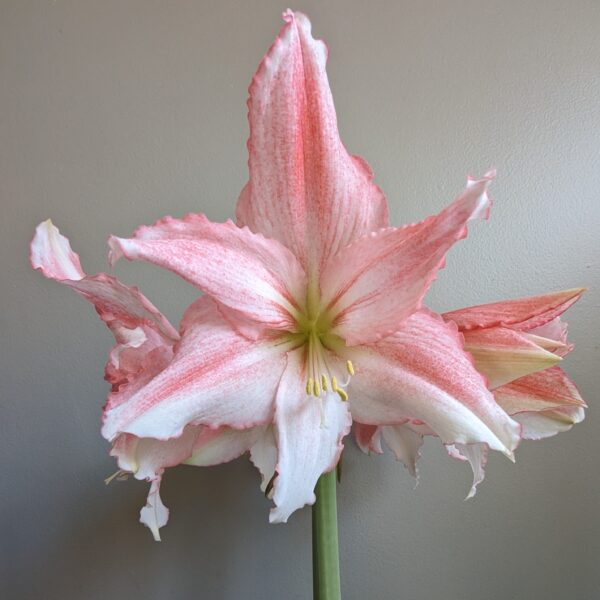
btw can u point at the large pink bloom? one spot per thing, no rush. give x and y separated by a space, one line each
312 314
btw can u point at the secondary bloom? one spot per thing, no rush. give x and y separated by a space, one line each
516 345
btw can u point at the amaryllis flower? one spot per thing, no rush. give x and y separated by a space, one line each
312 314
516 345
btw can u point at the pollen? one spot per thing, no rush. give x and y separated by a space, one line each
350 367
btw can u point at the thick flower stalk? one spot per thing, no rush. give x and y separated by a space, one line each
312 315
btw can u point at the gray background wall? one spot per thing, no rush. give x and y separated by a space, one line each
113 113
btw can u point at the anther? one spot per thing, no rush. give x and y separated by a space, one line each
342 394
317 389
324 382
350 367
310 386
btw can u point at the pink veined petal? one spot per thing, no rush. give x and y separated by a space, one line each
421 372
216 446
217 377
245 271
51 253
523 314
375 283
304 189
541 425
477 456
405 444
309 433
545 390
155 514
503 355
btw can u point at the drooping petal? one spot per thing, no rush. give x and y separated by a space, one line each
421 372
477 456
155 514
503 355
542 391
372 285
256 276
309 433
216 446
523 314
217 377
405 444
304 190
541 425
263 455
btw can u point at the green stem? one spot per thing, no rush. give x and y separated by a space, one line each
326 561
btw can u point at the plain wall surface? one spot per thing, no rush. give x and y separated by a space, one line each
114 113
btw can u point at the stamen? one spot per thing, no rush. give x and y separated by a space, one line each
350 367
310 386
324 382
317 389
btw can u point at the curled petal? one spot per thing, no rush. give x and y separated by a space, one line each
541 425
309 433
477 456
304 189
217 377
263 455
368 438
405 444
503 355
421 372
256 276
155 514
523 314
375 283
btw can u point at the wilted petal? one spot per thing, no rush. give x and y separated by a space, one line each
477 456
405 444
309 433
247 272
217 377
372 285
421 372
503 355
304 190
523 314
155 514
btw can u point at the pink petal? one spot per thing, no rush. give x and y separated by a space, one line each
371 286
421 372
368 438
503 355
523 314
541 391
309 433
304 190
217 377
247 272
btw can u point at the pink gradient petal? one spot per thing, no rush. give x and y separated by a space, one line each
503 355
545 424
217 377
523 314
247 272
368 438
545 390
304 189
372 285
309 433
421 372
